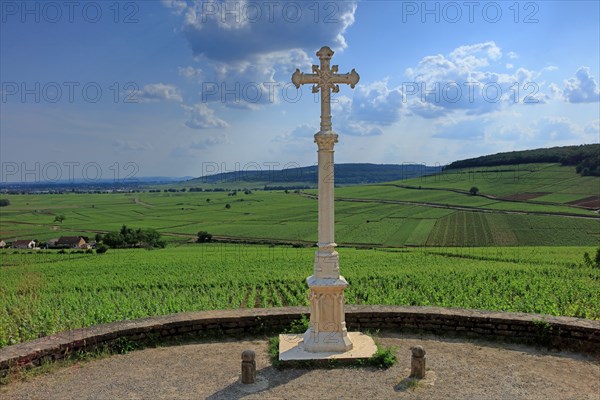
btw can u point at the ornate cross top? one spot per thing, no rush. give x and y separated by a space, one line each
326 79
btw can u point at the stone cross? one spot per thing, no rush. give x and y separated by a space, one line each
325 79
327 331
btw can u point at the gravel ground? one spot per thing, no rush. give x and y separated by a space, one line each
457 370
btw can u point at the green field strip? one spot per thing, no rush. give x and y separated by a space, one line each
501 231
404 229
419 235
540 208
562 197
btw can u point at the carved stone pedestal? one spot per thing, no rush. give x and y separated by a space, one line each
327 331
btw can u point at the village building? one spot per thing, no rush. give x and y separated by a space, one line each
71 242
23 244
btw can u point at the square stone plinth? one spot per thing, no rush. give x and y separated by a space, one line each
291 348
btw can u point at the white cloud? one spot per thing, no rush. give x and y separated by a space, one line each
130 145
555 91
468 129
376 103
427 110
178 6
190 73
557 128
582 88
465 80
550 68
302 133
513 133
545 131
210 141
512 55
159 92
344 122
254 82
476 54
593 130
202 117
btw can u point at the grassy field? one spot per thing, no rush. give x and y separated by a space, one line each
45 292
508 180
378 215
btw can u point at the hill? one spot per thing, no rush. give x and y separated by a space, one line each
585 158
345 174
531 204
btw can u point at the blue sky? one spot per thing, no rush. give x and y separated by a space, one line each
174 88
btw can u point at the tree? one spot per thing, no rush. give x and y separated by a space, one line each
99 237
474 190
128 237
208 200
204 237
4 202
228 206
59 218
114 239
101 249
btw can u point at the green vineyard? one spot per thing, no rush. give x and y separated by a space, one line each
47 292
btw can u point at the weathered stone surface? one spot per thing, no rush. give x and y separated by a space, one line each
417 362
248 367
291 348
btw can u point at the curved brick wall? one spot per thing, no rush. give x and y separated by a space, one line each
563 333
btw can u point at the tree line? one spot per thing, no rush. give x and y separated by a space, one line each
585 158
130 237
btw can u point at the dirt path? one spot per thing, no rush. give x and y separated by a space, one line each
457 370
137 200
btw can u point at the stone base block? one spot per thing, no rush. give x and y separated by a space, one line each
291 347
324 342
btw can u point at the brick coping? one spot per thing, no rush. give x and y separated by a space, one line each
563 333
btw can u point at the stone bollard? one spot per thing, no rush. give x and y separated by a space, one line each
248 367
417 362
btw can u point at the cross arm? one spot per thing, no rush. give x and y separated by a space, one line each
300 78
350 78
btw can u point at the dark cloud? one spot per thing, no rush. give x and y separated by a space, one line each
252 48
231 31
